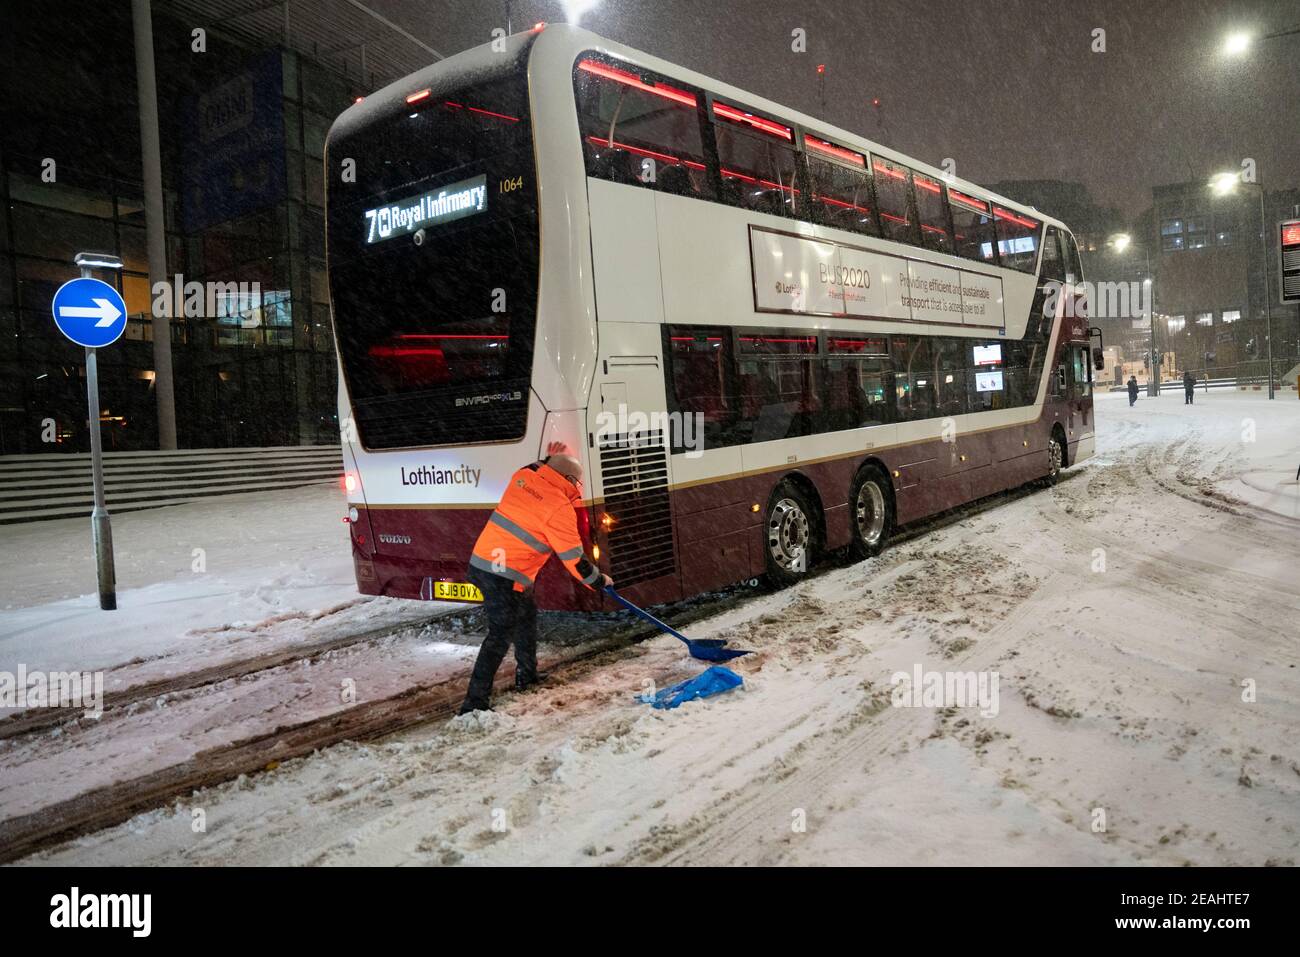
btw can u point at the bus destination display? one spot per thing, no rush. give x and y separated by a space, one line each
441 205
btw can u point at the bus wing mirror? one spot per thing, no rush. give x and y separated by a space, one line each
1098 358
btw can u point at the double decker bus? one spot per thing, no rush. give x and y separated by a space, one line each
765 337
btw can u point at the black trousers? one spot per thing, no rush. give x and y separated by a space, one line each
1188 397
511 620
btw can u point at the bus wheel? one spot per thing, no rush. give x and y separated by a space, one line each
871 512
1055 458
789 535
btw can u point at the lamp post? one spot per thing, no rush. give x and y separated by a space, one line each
1237 44
1223 184
1120 242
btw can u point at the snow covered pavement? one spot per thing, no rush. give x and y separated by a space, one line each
1141 618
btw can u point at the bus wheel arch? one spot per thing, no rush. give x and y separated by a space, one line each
793 520
1058 453
871 510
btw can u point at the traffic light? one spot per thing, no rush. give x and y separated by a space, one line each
1146 362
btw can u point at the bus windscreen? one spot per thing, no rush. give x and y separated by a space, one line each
433 259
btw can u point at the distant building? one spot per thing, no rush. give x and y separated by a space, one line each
243 127
1208 259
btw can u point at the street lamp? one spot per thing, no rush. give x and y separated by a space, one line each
1236 44
1223 184
1120 242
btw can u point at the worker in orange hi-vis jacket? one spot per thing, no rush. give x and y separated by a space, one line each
535 518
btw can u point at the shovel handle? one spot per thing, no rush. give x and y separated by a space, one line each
609 590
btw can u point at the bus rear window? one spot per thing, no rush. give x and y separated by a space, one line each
433 266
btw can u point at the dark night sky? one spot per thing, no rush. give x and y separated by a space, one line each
1009 89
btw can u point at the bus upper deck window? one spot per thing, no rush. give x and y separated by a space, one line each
758 162
972 224
932 211
1017 239
893 191
841 187
640 130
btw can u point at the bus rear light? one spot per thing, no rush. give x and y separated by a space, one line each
349 482
418 96
595 552
539 26
754 507
606 521
353 514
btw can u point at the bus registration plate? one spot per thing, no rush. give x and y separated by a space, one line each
456 591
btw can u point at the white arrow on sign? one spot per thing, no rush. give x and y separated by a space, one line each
103 310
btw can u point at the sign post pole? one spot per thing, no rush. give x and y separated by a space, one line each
101 528
91 313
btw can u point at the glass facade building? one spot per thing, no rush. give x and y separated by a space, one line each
243 134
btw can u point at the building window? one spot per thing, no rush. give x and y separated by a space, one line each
1205 318
1196 230
1177 323
1171 235
1229 315
1225 226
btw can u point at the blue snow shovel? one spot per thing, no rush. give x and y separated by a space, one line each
705 649
714 680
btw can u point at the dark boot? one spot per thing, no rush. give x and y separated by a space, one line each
523 683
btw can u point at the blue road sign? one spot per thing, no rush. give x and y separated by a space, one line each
89 312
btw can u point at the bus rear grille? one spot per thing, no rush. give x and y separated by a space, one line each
634 473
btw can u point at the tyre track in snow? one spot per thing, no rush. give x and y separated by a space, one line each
752 817
276 741
35 720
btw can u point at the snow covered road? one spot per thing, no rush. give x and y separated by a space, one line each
1141 616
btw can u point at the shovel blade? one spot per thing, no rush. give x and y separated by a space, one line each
710 649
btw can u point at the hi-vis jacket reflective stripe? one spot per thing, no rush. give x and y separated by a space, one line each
535 517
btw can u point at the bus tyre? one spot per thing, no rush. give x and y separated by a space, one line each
871 513
788 535
1055 458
